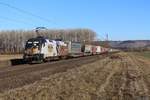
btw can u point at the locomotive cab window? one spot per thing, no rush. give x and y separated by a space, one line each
32 44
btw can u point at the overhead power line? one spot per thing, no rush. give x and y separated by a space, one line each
14 20
26 12
101 37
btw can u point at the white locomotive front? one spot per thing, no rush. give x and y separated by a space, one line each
39 49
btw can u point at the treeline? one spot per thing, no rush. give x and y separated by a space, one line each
13 41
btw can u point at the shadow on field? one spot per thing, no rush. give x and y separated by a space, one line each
17 62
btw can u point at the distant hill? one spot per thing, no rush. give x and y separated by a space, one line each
130 44
126 45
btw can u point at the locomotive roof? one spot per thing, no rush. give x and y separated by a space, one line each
41 39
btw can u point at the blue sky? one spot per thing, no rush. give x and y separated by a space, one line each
121 19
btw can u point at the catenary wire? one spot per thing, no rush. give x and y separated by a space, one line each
26 12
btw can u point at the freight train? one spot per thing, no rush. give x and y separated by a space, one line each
42 49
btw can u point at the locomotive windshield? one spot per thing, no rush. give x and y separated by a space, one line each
35 43
31 44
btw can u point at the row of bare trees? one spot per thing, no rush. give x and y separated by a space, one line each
13 41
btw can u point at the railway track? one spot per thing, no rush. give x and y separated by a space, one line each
20 75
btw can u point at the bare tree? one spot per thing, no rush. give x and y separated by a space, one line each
13 41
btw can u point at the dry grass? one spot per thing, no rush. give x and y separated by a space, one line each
119 77
9 57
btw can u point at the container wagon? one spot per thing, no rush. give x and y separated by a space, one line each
94 49
74 49
98 49
87 49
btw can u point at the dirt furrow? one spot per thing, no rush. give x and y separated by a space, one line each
127 83
144 68
135 86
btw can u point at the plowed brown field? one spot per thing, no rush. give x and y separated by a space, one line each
121 76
